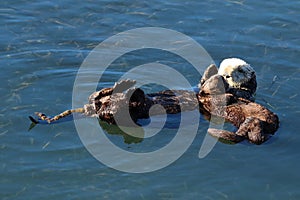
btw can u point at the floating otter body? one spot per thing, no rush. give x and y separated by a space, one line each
217 96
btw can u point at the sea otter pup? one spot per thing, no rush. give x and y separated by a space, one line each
109 103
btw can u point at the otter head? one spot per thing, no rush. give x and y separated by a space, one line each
236 72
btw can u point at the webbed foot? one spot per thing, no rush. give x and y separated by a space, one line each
123 85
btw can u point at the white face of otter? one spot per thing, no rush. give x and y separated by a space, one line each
236 72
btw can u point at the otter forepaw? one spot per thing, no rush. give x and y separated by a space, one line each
209 72
252 127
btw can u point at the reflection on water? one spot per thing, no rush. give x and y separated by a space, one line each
128 138
43 43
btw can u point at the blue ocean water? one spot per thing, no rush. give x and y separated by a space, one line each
43 44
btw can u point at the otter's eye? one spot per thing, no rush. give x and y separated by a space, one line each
240 70
227 76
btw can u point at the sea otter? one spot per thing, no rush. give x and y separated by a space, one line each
254 122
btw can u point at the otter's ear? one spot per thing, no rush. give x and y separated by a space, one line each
209 72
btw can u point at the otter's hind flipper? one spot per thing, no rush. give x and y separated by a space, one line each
42 118
118 87
123 85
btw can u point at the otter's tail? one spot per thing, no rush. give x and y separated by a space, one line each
44 119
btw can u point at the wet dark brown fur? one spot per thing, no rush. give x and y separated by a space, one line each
254 122
109 103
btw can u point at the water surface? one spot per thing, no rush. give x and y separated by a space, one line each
43 44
